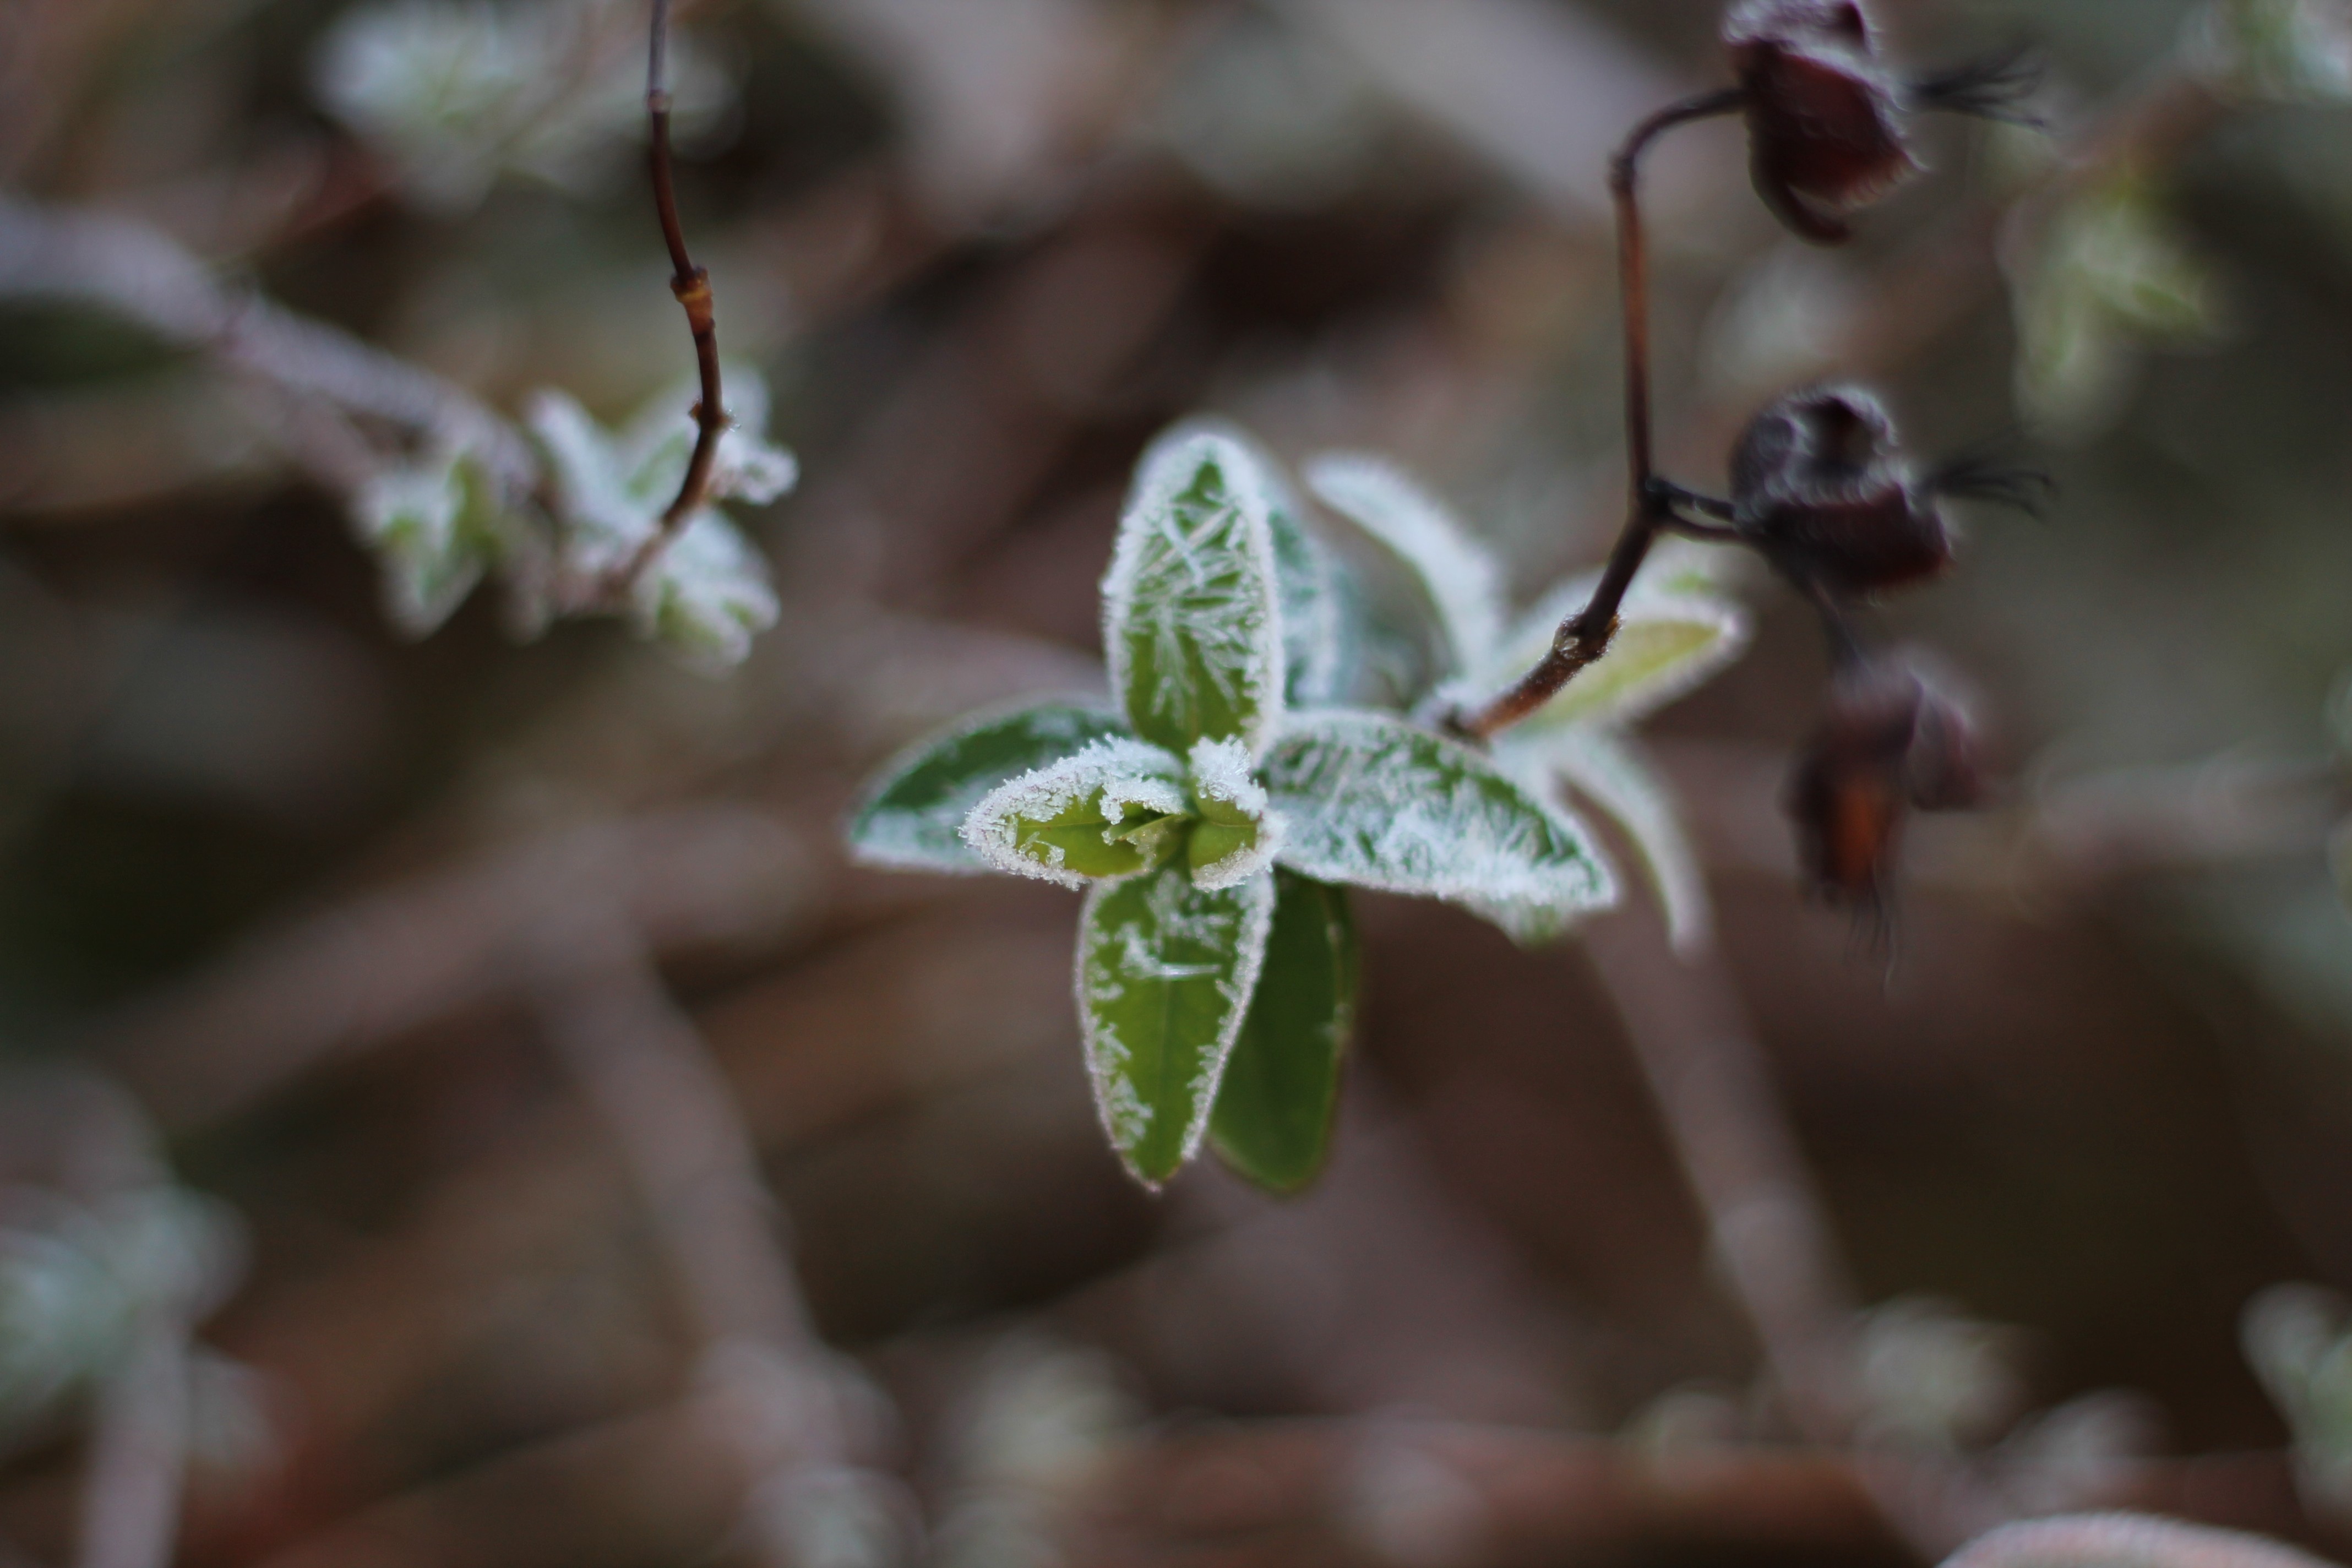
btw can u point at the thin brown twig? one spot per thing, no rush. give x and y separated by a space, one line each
1586 636
691 284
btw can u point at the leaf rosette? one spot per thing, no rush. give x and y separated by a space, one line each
1215 812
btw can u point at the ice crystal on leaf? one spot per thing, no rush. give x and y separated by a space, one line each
1192 619
1374 802
1165 973
1111 810
912 817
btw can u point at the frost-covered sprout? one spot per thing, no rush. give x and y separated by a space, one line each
706 595
1213 815
1677 630
2277 51
457 92
2108 275
2298 1339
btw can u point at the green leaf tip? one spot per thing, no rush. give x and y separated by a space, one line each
1165 973
1191 616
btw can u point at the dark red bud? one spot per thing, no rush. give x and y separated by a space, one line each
1820 483
1825 118
1889 745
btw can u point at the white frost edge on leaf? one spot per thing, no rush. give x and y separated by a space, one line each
1114 1098
1458 574
1322 664
1609 769
1221 772
1502 881
1128 773
1166 471
1531 638
889 841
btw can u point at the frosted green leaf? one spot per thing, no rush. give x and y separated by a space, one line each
1606 770
1114 809
1457 575
433 530
1273 1118
706 596
913 814
2275 51
1370 801
1165 973
1237 834
1192 623
1667 644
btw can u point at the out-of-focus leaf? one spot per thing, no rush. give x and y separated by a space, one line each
1373 801
708 595
434 532
1273 1118
2275 51
1165 974
1609 772
1111 810
1192 619
2298 1339
454 94
1457 575
2109 277
913 814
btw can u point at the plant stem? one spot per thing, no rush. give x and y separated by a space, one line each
691 284
1585 636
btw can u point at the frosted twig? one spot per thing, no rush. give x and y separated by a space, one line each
2125 1541
1586 636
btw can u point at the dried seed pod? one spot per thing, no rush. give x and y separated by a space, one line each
1889 745
1820 485
1826 120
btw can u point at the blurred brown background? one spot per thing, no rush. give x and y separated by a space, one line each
312 896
